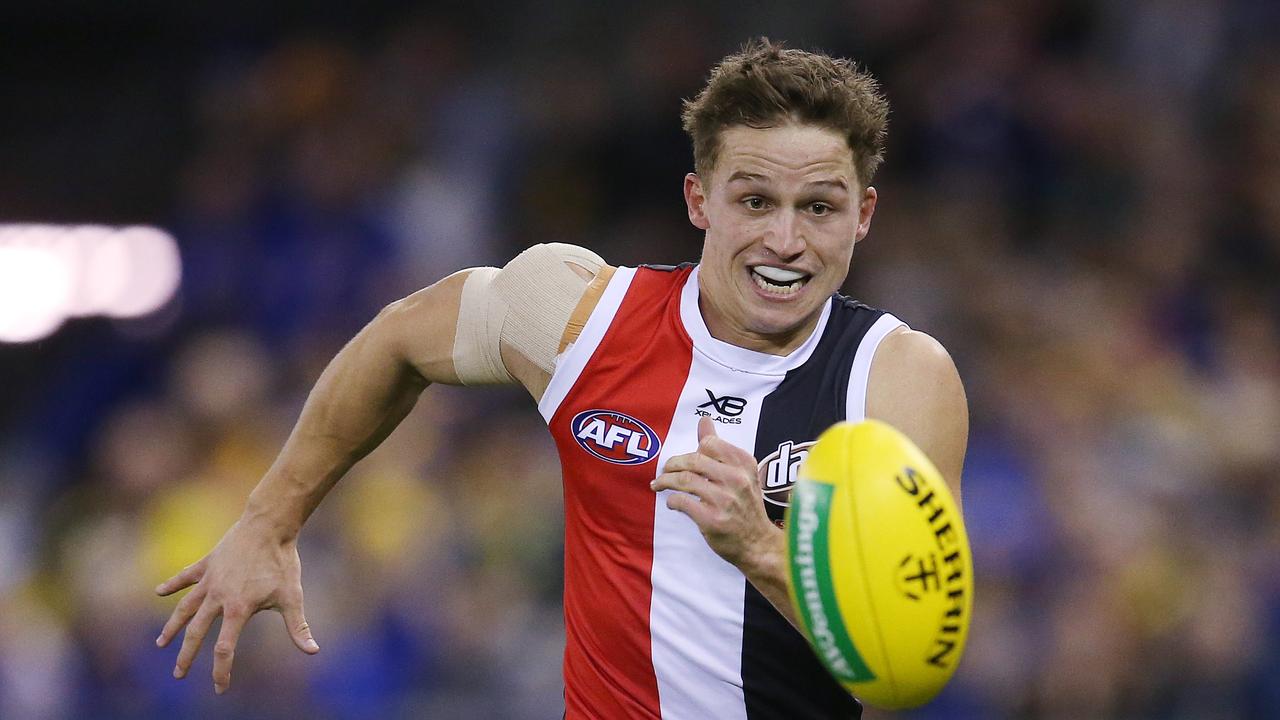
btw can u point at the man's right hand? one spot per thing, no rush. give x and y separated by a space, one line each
250 569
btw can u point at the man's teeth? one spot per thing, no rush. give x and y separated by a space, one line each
777 281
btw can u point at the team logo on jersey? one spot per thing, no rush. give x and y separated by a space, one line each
615 437
778 471
727 408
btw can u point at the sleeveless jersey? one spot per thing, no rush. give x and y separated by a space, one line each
657 625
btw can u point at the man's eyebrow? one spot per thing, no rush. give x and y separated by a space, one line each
745 176
836 182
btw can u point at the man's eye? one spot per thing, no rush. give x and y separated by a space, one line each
754 203
821 208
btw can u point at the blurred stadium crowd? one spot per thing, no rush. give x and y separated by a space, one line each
1081 201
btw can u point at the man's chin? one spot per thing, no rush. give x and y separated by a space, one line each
785 323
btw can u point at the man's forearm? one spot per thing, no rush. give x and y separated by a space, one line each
767 571
363 394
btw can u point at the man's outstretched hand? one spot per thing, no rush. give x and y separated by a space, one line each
249 570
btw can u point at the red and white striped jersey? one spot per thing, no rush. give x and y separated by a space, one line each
658 625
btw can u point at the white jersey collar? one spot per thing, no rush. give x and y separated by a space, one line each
740 358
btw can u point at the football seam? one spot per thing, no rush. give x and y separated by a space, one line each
875 618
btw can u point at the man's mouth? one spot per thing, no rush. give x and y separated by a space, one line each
778 281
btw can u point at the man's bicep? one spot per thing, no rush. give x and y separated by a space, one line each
914 386
421 328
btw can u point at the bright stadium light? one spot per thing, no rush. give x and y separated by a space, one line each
35 293
51 272
154 270
102 265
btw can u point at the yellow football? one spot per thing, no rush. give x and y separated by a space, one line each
879 565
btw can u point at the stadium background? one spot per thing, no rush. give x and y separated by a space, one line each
1081 200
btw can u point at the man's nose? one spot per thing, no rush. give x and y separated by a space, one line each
786 236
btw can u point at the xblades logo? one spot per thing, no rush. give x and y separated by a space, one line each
727 408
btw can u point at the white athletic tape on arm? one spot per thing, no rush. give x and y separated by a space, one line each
477 349
527 305
540 292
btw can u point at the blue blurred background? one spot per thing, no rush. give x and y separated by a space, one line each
1081 200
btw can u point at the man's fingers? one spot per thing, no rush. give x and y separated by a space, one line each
194 637
299 630
714 461
699 464
683 481
190 575
181 614
698 511
717 448
706 428
224 650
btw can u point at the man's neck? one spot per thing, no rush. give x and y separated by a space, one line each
780 344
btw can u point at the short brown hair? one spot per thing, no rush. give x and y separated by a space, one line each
765 85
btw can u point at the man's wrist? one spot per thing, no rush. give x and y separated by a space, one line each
765 563
766 569
271 517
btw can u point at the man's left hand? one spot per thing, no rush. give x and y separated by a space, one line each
717 486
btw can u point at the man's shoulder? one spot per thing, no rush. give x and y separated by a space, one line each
914 386
915 352
911 358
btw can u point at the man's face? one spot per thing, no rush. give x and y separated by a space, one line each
782 210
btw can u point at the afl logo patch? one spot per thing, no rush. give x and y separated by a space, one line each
615 437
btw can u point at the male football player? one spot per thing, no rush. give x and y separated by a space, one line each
681 399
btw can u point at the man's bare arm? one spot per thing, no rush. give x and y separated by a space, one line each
914 387
364 393
360 398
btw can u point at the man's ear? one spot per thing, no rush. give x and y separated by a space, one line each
696 200
866 208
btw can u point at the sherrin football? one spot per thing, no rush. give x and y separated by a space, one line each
879 565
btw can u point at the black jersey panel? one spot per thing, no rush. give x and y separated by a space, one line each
781 676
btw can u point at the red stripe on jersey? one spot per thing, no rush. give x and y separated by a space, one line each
638 370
